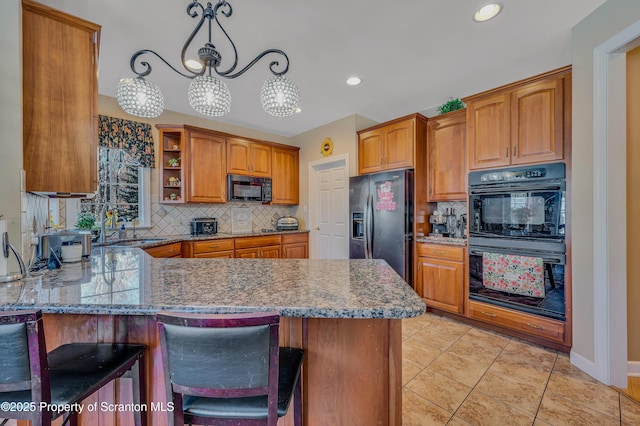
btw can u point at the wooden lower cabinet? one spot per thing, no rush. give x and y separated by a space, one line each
258 247
440 279
213 248
166 250
535 325
290 246
295 246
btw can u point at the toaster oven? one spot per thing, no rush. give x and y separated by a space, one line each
204 226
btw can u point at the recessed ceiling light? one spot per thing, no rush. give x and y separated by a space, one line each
487 12
353 81
193 64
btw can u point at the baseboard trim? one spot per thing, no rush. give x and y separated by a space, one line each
584 364
633 368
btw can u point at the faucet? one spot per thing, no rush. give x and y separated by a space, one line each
103 219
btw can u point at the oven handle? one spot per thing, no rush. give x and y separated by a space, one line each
546 258
526 187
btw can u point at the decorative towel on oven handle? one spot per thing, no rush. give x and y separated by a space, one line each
513 274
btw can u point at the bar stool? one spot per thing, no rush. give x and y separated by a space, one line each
230 366
32 380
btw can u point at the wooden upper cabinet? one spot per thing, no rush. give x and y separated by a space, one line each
285 175
60 93
537 122
399 145
370 151
388 146
248 158
207 178
522 123
447 169
488 131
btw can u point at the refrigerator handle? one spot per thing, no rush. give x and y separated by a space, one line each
366 227
369 227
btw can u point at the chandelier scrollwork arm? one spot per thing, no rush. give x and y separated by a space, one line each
147 66
256 59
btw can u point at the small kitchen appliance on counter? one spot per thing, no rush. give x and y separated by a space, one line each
287 223
204 226
56 240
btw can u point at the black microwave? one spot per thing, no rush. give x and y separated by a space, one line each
247 188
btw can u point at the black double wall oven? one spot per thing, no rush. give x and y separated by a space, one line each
517 250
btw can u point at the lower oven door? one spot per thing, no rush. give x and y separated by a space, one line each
525 279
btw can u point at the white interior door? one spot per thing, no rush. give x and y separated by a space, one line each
330 208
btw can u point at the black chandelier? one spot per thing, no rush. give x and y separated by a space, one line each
207 94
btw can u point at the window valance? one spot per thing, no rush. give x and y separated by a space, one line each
133 137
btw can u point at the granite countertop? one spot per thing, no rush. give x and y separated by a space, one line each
443 240
127 281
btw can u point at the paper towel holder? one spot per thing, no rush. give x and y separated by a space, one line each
6 246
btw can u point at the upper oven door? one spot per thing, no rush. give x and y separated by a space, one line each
518 210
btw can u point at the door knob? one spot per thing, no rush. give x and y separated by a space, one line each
317 228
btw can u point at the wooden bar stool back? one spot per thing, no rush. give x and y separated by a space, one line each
32 380
229 369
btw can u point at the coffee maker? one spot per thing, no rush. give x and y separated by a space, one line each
443 225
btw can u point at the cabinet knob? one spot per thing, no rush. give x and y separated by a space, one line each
515 150
537 327
506 154
488 314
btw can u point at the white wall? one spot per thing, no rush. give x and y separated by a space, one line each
11 118
605 22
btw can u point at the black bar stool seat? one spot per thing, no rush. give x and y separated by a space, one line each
77 370
63 377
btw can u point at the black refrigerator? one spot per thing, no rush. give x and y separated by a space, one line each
381 219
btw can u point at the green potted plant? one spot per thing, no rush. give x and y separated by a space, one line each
450 105
85 221
174 162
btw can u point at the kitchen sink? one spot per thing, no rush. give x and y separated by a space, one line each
134 243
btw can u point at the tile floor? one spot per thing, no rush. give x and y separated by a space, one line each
455 374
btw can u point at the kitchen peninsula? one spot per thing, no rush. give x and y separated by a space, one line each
344 313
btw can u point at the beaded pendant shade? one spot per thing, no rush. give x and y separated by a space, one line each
207 94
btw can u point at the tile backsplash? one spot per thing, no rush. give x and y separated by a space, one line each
171 219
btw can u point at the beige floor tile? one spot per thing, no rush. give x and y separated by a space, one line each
457 421
417 411
595 396
539 422
559 411
451 326
563 366
630 411
522 370
529 353
510 391
460 369
419 353
437 336
478 346
482 410
441 390
411 327
410 369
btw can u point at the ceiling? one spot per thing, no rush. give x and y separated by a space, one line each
411 55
